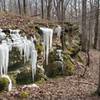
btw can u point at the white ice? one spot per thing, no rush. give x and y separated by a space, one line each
47 38
2 35
25 46
4 57
33 62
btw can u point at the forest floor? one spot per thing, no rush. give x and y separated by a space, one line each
61 88
65 88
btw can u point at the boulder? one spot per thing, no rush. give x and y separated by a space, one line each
55 68
63 65
25 75
4 82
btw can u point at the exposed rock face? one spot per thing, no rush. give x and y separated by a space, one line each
25 75
59 64
4 82
62 62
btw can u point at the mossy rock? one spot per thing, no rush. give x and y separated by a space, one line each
39 48
15 60
70 66
54 69
57 67
52 56
79 58
4 82
73 49
40 73
25 76
24 94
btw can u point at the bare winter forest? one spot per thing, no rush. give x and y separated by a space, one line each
49 49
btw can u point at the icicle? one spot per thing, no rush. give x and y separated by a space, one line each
27 49
4 57
47 37
2 35
1 30
10 44
34 62
1 59
51 36
10 81
17 40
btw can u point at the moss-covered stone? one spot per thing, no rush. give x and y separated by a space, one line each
15 59
70 66
54 69
60 67
4 82
40 73
79 58
39 48
24 94
25 75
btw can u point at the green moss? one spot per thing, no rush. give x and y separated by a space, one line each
13 79
3 84
24 77
40 81
52 56
52 70
24 94
40 75
79 58
39 48
70 66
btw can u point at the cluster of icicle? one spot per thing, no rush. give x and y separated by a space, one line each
47 41
24 45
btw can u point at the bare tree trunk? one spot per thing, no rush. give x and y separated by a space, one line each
96 30
24 6
4 5
91 23
84 29
36 8
57 5
19 7
49 5
42 9
62 10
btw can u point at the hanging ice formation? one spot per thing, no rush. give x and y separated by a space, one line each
2 35
25 46
17 41
33 62
47 39
4 57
